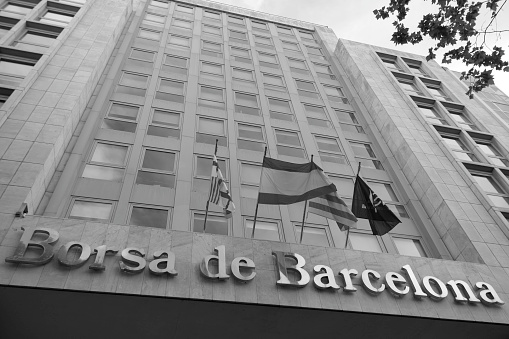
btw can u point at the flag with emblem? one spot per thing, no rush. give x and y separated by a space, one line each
367 205
219 193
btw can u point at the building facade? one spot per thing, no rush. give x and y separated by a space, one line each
111 114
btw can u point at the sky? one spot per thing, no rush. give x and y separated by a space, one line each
354 20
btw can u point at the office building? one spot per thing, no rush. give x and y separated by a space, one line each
110 117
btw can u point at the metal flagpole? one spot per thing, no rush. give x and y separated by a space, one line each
304 214
348 230
208 199
256 210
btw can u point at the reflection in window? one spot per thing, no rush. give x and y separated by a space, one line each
110 154
264 230
149 217
215 224
157 169
82 209
410 247
365 242
103 173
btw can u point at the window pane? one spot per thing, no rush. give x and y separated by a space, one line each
488 149
326 144
110 154
312 236
250 174
362 150
163 132
410 247
242 74
123 112
384 191
212 93
364 242
280 105
171 86
487 184
182 24
150 217
215 225
103 173
117 125
91 210
499 201
166 118
246 99
264 230
159 160
343 185
288 138
290 151
142 55
204 167
455 144
307 86
211 126
134 80
14 68
147 34
175 61
250 132
155 179
273 80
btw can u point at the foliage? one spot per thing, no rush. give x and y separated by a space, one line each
454 24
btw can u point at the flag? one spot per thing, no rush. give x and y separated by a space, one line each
284 183
219 193
332 207
367 205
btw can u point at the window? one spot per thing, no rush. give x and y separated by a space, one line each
409 86
236 21
288 143
215 224
314 51
121 117
154 4
184 24
212 30
210 130
493 154
149 217
316 236
14 69
175 64
184 9
324 71
149 34
348 121
138 54
432 115
387 195
410 247
290 46
262 41
365 242
307 36
280 109
268 60
274 82
164 124
170 90
265 230
35 41
15 11
284 30
240 55
335 94
329 150
250 137
106 163
211 97
212 15
437 92
211 49
5 93
316 116
365 155
461 119
155 20
179 42
211 71
345 187
238 37
391 62
243 75
6 24
201 180
492 189
417 70
306 89
73 2
157 169
298 66
458 148
246 103
249 180
94 210
259 26
56 17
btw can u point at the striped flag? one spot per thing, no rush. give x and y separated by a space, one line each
219 193
332 207
284 183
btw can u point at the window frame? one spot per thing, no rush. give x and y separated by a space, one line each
328 235
223 137
263 141
374 160
300 147
211 215
325 154
275 113
238 107
355 122
248 231
92 200
160 125
202 100
153 207
172 173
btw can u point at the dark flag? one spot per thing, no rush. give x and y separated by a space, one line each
367 205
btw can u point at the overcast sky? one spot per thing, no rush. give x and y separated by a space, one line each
354 20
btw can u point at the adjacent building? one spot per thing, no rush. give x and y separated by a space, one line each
111 111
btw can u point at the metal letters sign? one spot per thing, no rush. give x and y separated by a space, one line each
133 261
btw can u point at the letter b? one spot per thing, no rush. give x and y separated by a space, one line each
26 241
282 269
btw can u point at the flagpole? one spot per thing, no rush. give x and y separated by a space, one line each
208 199
348 230
304 214
256 209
